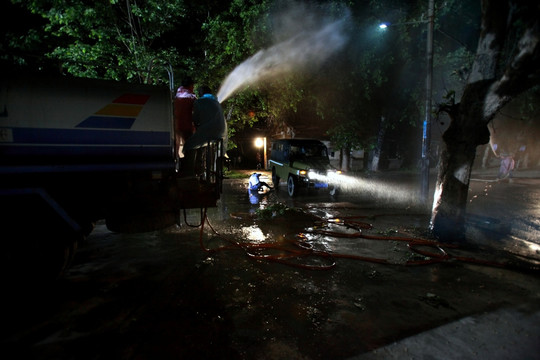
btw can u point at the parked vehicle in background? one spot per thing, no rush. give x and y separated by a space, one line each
302 163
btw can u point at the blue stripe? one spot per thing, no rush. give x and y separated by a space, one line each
86 152
107 122
89 137
65 168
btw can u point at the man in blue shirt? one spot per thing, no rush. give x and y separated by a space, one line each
255 184
210 125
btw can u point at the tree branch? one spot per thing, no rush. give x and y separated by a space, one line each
521 73
491 41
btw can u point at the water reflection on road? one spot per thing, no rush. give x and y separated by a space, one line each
504 215
365 192
158 295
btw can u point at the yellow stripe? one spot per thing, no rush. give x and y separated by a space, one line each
120 110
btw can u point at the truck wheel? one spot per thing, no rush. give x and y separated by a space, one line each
275 178
61 256
38 261
40 239
38 258
292 186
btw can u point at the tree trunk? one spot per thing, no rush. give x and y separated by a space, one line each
447 222
461 140
345 158
488 89
378 148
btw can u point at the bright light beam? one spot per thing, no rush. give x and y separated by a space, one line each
391 193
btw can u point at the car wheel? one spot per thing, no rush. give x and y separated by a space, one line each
275 179
292 186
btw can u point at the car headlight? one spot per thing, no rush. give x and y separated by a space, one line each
333 173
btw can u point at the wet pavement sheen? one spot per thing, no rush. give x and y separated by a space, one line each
297 285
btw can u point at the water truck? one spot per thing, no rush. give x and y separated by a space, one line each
77 151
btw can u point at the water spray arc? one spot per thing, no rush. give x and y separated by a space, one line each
308 48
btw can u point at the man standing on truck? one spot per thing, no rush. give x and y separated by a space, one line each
209 126
183 114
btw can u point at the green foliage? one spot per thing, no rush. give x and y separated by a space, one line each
232 36
451 69
275 210
368 88
352 136
377 74
388 76
232 174
108 39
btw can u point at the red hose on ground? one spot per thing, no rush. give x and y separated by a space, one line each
288 255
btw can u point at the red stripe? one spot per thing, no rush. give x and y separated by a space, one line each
134 99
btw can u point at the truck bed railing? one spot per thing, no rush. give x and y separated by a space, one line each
205 188
213 155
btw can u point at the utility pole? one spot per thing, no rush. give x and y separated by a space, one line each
426 132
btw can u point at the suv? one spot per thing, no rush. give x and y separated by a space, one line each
302 163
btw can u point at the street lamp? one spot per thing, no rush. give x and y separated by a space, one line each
426 128
261 143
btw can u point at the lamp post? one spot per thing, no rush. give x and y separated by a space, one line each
261 143
426 129
426 125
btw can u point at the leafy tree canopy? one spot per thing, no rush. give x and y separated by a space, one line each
375 74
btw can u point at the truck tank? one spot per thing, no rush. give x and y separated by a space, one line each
77 151
48 121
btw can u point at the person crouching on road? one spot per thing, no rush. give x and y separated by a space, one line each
255 184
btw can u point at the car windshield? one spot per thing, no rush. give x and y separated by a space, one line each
309 150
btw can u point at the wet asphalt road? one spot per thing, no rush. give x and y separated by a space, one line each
172 294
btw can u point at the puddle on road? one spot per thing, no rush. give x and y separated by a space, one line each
186 303
304 236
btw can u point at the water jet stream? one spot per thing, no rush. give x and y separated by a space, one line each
308 48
